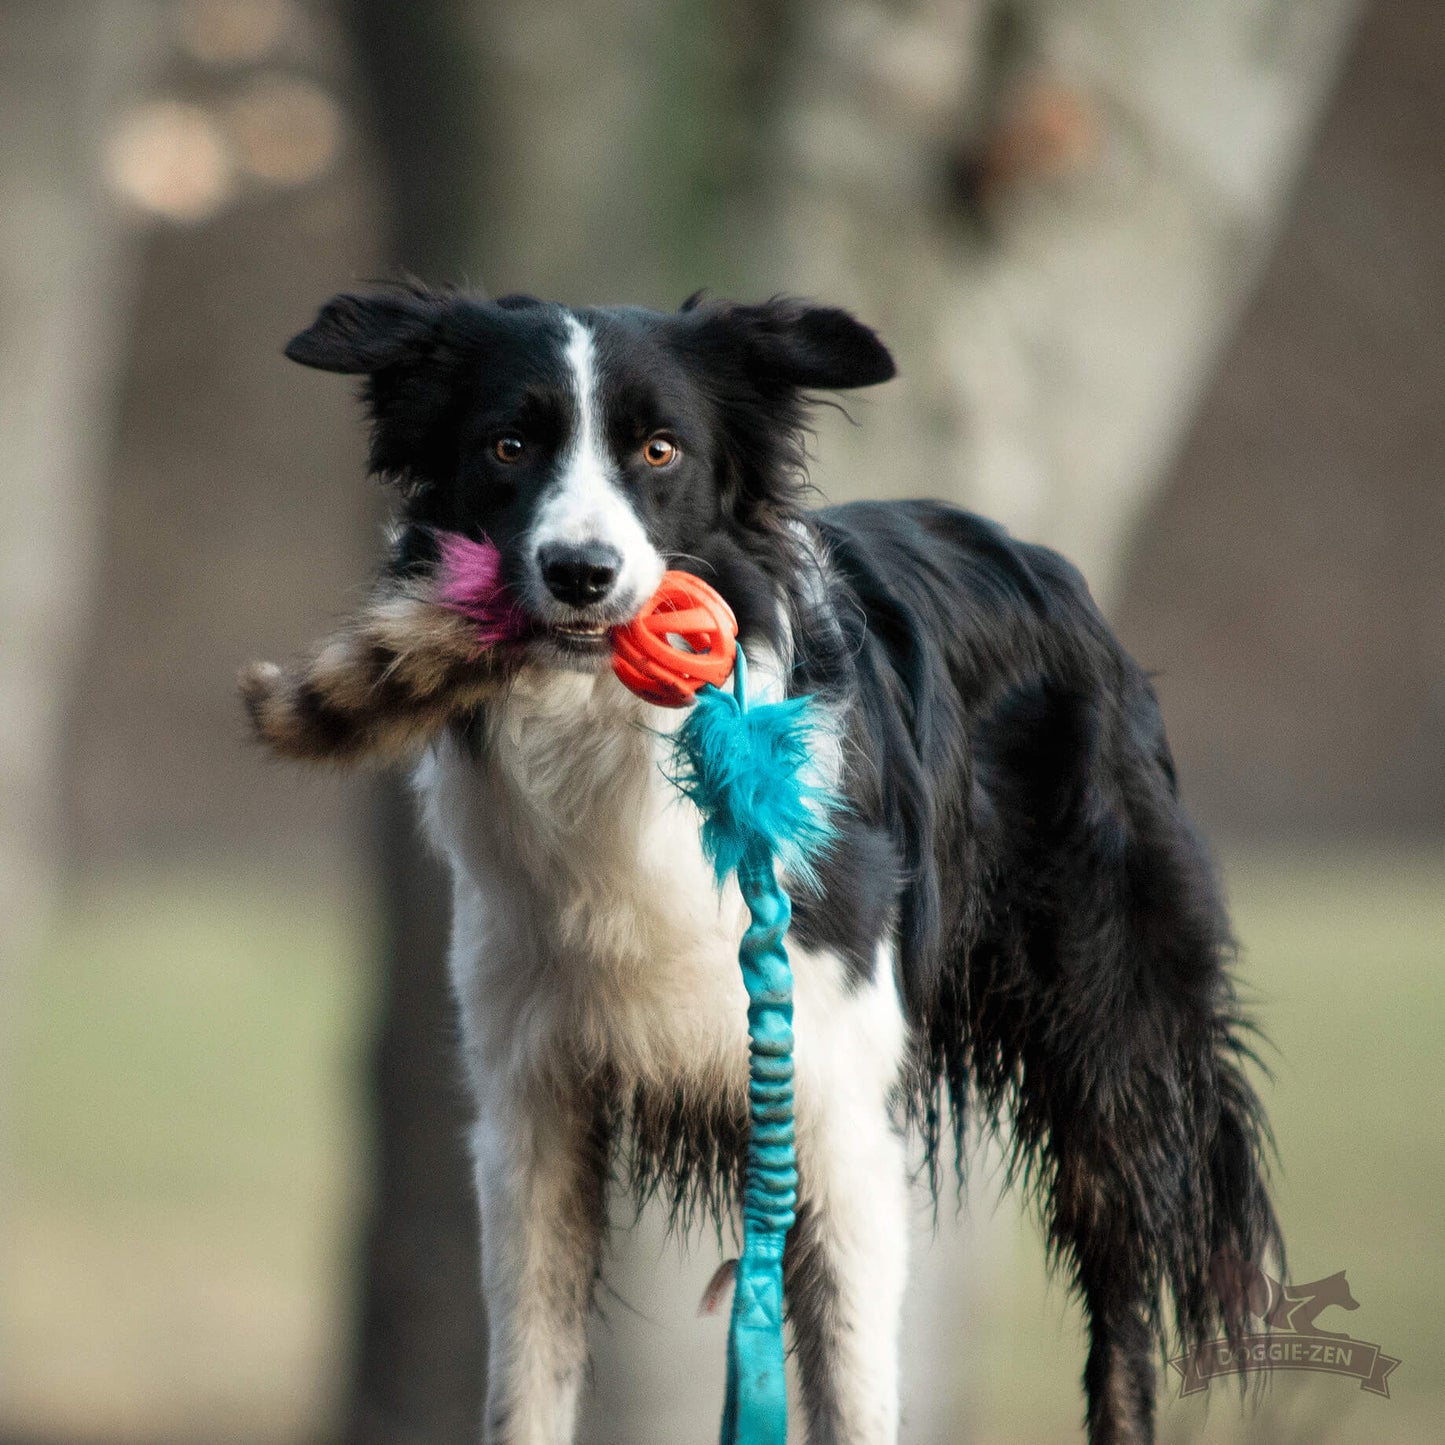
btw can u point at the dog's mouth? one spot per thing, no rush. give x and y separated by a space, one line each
571 645
580 636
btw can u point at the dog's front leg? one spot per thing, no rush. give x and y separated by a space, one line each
541 1163
845 1267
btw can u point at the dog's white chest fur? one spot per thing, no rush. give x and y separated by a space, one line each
588 923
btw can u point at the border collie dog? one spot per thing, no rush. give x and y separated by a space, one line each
1017 923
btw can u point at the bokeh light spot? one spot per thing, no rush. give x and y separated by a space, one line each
232 32
284 130
170 158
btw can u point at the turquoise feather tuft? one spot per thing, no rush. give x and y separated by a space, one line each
751 774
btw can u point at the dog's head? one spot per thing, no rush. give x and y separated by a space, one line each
594 447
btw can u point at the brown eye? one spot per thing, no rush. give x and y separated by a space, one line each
660 451
508 448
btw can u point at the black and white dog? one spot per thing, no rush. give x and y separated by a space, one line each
1017 923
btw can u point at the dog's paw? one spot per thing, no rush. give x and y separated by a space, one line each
259 682
284 714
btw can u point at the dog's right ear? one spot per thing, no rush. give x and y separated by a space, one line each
359 335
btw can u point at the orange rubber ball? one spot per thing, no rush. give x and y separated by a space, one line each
684 636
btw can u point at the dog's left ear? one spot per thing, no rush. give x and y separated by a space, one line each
789 343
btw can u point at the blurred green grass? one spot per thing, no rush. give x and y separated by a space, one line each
181 1181
181 1167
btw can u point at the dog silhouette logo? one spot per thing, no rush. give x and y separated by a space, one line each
1277 1305
1287 1337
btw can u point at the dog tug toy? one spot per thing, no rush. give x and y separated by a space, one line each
747 770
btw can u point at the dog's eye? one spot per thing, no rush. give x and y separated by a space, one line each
660 451
508 448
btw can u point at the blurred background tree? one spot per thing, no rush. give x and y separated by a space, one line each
1056 213
64 273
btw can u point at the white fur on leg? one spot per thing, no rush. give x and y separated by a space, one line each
854 1177
541 1228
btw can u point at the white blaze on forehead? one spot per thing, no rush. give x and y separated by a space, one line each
585 504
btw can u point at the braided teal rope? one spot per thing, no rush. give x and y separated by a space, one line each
756 1408
747 772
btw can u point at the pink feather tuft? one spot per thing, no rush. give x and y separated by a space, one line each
471 578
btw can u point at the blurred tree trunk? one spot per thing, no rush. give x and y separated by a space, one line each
1053 212
1055 209
419 1351
66 67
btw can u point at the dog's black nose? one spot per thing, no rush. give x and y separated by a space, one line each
579 573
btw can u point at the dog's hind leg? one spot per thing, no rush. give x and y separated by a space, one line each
1092 1222
1147 1140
